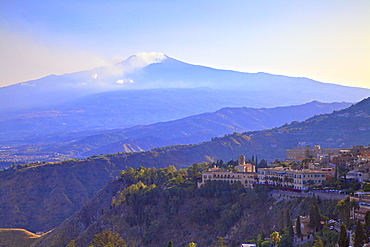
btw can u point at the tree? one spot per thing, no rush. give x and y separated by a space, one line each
343 208
286 240
343 239
282 221
354 206
318 242
298 226
72 243
359 235
290 229
329 237
366 188
220 242
287 217
170 244
107 238
315 217
266 244
192 244
367 224
275 237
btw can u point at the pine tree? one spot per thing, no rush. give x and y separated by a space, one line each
359 235
343 239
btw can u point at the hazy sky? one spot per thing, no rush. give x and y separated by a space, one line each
325 40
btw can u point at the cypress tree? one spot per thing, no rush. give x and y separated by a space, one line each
343 239
287 217
290 229
359 235
298 226
282 221
367 224
315 218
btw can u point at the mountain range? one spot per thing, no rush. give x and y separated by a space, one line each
158 71
189 130
145 89
40 196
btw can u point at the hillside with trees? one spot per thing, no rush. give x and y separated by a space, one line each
150 207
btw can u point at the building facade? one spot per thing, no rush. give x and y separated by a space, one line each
317 153
363 199
296 179
247 179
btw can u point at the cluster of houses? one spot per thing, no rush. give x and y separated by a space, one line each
311 168
315 166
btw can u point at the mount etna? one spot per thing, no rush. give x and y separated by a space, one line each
70 109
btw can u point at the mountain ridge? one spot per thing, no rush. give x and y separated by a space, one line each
165 73
188 130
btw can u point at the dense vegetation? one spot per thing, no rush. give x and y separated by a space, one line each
150 207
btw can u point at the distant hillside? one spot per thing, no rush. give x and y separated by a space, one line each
189 130
202 127
40 197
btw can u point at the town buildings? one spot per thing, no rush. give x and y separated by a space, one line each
317 152
363 199
295 179
243 173
337 156
301 177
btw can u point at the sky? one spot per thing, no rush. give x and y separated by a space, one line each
324 40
